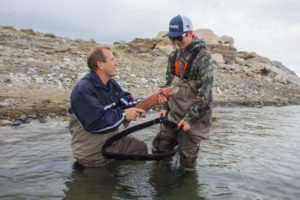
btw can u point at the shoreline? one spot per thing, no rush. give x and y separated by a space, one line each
45 118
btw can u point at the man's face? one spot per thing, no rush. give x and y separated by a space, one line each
186 40
109 66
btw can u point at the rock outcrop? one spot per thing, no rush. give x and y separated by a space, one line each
39 70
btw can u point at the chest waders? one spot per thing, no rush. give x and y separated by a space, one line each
180 106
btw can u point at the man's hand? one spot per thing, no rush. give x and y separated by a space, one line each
163 113
133 113
161 99
186 126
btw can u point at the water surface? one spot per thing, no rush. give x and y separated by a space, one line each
252 153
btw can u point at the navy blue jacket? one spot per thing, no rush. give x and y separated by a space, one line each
97 117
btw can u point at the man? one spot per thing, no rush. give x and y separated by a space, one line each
189 68
99 106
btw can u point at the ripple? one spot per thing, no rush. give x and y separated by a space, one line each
252 153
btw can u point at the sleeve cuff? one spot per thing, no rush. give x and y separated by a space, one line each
166 106
188 119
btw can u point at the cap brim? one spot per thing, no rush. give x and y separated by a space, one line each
173 34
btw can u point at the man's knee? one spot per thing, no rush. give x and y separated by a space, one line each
134 145
188 156
164 141
141 147
189 162
161 145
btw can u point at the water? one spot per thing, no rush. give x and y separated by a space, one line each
252 153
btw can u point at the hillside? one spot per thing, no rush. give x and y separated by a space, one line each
39 70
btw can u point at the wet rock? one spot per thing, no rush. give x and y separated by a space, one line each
33 116
18 123
259 104
42 117
52 115
42 120
23 118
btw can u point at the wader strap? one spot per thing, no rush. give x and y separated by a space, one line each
173 60
95 90
190 62
113 86
126 156
98 94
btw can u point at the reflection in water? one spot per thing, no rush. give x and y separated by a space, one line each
170 183
133 180
93 183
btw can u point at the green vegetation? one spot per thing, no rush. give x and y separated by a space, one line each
121 47
85 44
50 35
28 31
9 28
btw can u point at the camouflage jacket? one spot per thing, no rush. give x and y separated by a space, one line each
202 70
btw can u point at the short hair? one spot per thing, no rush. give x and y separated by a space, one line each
95 55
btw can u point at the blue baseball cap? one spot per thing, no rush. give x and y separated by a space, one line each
179 25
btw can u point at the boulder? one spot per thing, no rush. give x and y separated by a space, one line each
4 122
218 58
227 40
139 45
163 40
208 36
281 78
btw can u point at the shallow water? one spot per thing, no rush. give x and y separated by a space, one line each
252 153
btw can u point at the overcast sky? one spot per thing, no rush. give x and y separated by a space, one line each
270 28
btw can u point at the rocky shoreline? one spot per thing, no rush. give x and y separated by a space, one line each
39 70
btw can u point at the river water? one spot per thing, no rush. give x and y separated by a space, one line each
252 153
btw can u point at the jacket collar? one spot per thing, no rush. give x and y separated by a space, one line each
196 43
96 79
